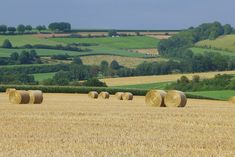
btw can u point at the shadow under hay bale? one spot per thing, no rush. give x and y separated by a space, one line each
19 97
175 98
155 98
127 96
36 97
232 99
93 94
8 90
119 95
104 95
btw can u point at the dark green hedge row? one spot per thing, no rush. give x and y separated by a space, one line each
85 90
32 69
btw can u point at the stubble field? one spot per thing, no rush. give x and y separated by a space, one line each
74 125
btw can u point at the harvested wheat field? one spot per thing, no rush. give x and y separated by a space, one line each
75 125
120 81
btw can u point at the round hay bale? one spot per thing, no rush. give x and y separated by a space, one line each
8 90
36 97
93 94
104 95
19 97
155 98
127 96
175 98
119 95
232 99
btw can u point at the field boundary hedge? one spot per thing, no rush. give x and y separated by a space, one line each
85 90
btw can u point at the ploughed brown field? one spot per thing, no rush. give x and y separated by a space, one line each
74 125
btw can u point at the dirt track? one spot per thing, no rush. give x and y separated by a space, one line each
73 125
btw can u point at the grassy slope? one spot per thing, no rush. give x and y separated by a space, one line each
115 46
224 42
43 76
135 42
203 50
149 86
20 40
221 95
110 46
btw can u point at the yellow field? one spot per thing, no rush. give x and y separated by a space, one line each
73 125
124 61
157 78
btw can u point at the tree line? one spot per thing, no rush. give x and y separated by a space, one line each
25 29
219 82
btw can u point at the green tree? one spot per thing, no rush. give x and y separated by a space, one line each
11 30
21 28
14 56
94 82
28 28
24 57
7 44
228 29
3 28
104 65
114 65
61 78
112 33
41 28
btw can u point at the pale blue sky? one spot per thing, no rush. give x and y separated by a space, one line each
118 14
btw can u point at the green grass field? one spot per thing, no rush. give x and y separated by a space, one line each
203 50
221 95
43 76
224 42
20 40
146 86
118 46
134 42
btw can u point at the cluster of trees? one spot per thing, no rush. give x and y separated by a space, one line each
60 26
25 57
17 78
187 38
21 29
11 30
68 47
219 82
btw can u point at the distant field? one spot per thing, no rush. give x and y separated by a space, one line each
122 81
130 62
222 95
134 42
43 76
224 42
107 46
20 40
203 50
149 86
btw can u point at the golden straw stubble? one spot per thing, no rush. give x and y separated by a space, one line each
155 98
232 99
93 94
104 95
119 95
127 96
19 97
175 98
36 96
